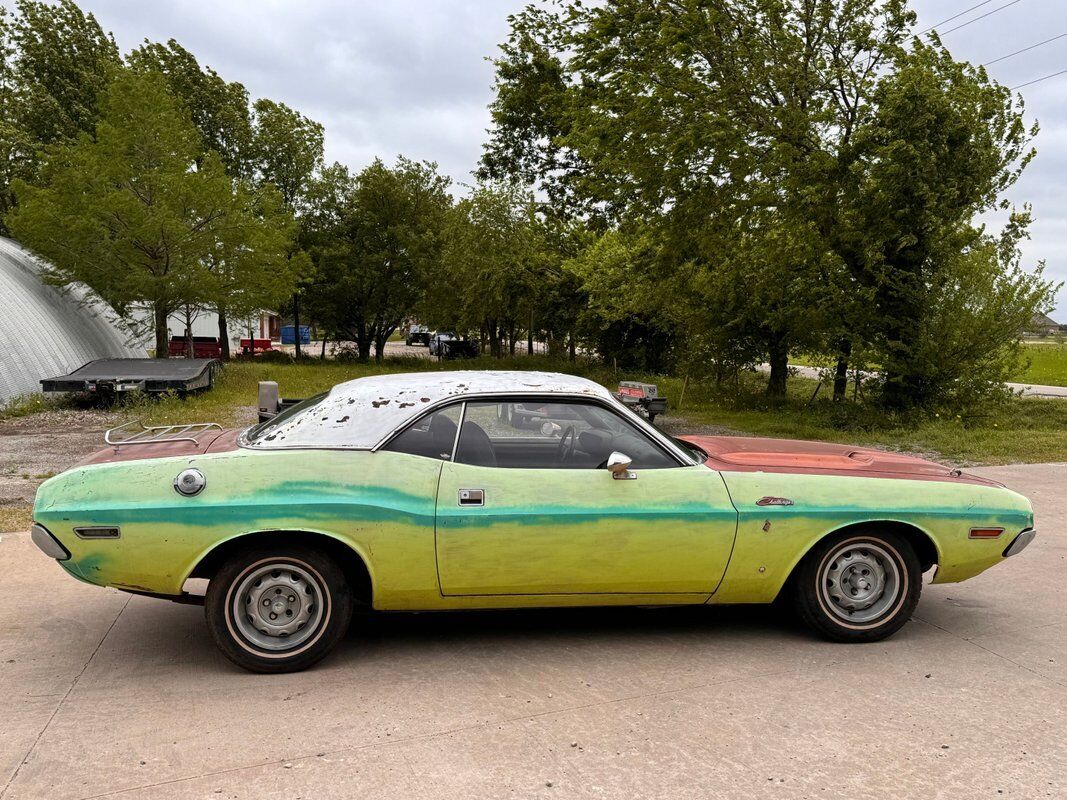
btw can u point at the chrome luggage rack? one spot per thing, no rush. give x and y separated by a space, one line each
156 433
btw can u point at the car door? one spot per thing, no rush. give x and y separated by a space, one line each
527 506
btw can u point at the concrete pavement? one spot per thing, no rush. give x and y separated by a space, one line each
107 695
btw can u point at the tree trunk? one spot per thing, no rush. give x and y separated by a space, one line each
363 342
190 348
572 348
296 323
322 356
778 357
159 311
224 335
841 371
494 337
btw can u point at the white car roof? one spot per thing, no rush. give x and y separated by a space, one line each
360 414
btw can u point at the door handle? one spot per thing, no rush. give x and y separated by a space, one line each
472 497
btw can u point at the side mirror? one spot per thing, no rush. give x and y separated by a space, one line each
619 466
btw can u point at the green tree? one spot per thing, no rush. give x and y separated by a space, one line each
374 238
54 62
221 112
132 215
286 151
742 123
490 264
219 109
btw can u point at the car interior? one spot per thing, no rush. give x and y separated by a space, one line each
530 435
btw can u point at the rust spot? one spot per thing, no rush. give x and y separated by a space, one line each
379 403
425 399
344 418
405 405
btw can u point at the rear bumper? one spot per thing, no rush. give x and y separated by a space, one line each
1020 542
47 543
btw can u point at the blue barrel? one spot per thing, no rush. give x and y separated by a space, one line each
289 334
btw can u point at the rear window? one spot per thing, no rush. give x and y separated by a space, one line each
266 431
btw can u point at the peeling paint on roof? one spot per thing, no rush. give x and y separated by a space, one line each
362 413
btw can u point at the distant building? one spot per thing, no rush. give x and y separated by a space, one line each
206 323
47 330
1044 325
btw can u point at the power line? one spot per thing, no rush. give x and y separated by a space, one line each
1038 80
979 17
955 16
1025 49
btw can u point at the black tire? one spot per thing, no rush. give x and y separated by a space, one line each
314 575
834 570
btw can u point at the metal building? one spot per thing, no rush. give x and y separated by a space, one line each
47 330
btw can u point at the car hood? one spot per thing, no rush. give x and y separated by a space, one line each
754 454
210 441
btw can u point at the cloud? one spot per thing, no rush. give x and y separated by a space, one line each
410 76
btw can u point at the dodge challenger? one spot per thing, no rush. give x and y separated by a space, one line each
423 492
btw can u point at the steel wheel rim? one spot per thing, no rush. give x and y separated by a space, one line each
292 593
860 581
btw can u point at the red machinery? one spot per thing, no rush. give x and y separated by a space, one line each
255 346
203 347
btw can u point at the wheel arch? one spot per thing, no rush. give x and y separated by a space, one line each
353 563
921 541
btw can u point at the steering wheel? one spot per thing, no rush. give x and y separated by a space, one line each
565 448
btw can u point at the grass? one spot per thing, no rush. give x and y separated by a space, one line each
16 518
1023 430
1048 364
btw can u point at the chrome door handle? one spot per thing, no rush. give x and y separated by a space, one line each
472 497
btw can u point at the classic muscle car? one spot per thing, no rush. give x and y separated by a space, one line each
439 490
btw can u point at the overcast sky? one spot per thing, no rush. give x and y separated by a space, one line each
410 76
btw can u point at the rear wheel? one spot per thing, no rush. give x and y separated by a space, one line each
859 586
278 609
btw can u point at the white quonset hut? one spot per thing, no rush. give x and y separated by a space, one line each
46 330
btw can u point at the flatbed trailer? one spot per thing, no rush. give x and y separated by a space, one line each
154 375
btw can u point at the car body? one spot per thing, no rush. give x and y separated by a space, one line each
418 335
431 491
446 345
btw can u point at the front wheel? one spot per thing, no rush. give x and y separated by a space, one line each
278 609
860 586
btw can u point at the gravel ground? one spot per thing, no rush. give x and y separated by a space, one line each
36 447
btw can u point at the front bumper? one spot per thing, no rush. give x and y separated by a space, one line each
1020 542
47 543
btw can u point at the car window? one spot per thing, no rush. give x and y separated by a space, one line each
432 436
540 435
267 431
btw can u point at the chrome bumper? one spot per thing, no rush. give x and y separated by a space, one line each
47 543
1020 542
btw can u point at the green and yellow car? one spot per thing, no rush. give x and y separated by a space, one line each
462 490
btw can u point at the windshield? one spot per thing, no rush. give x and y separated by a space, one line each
698 455
263 432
